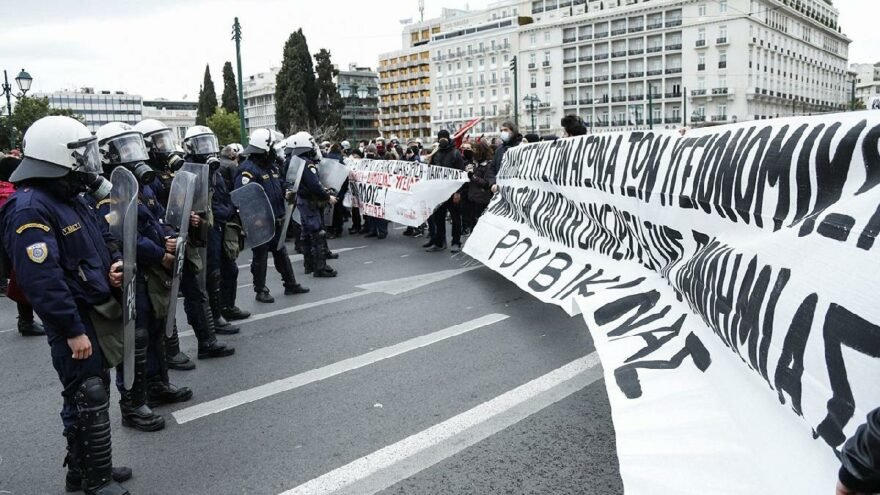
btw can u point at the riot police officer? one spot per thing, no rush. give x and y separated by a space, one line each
68 266
200 144
261 167
122 146
310 201
164 160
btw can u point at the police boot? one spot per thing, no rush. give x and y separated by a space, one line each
93 424
30 328
308 259
282 264
327 253
258 270
133 404
221 326
176 359
73 480
161 391
209 347
319 255
227 302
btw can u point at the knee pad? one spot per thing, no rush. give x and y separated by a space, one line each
92 393
141 338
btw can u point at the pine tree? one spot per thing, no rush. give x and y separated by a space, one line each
207 99
230 91
330 103
296 94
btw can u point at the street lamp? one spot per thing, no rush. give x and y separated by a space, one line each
354 95
23 80
532 100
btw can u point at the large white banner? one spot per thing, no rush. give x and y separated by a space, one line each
402 192
729 280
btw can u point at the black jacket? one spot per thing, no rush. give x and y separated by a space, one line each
860 457
448 156
478 189
499 155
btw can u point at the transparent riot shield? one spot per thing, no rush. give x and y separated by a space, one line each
294 175
257 218
180 201
332 173
201 203
123 219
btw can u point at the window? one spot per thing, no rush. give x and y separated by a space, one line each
546 56
534 82
533 39
546 36
722 57
722 6
507 91
546 79
701 34
722 32
701 10
481 62
532 58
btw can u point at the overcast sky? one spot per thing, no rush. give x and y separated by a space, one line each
159 48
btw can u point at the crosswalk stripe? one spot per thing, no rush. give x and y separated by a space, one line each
397 462
197 411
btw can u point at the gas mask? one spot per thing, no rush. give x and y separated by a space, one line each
143 172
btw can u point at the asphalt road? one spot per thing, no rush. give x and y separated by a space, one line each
410 373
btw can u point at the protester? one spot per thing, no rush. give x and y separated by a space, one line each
510 138
531 138
573 126
478 189
860 459
468 220
338 210
446 156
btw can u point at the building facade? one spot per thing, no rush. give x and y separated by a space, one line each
359 87
470 69
405 84
667 63
178 115
98 107
259 100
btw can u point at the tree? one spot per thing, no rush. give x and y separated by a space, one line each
330 103
207 99
27 111
230 91
225 126
296 93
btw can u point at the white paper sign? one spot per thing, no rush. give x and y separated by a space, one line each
728 278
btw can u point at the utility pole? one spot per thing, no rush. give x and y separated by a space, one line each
236 35
852 103
684 100
8 90
513 68
650 115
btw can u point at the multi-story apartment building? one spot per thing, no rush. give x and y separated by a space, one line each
866 79
178 115
98 108
259 100
633 63
470 67
359 87
405 83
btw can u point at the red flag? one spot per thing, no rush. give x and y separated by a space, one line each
458 138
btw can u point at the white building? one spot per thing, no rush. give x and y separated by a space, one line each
178 115
259 100
97 108
701 61
470 68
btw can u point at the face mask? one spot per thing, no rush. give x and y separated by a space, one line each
143 173
468 154
99 187
505 136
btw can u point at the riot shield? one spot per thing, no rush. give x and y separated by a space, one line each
332 173
201 203
123 220
257 218
294 174
180 200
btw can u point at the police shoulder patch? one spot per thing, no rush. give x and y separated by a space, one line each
245 179
43 227
38 252
103 202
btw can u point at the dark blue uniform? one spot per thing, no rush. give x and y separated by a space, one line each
266 173
309 200
59 251
222 270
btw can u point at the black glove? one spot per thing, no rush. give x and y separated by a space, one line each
290 196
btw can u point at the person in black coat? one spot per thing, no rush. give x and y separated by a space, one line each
510 138
860 459
478 188
446 156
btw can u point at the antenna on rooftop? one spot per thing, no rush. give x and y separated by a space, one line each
421 10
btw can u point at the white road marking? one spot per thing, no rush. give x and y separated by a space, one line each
401 285
299 257
404 256
401 227
286 384
368 262
8 330
394 463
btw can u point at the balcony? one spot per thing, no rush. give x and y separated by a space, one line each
701 66
602 78
721 41
698 92
601 56
547 83
533 65
673 95
636 51
544 104
570 103
719 118
617 99
674 47
586 37
637 74
656 96
636 29
569 60
602 35
619 53
571 39
701 43
587 79
655 72
719 91
698 118
569 81
673 70
618 76
673 23
618 32
585 101
654 49
656 25
636 97
585 58
673 120
722 65
546 63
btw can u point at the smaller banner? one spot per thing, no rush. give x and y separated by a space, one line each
402 192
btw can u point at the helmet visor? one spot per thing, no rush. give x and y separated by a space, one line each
88 158
204 144
127 148
163 142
